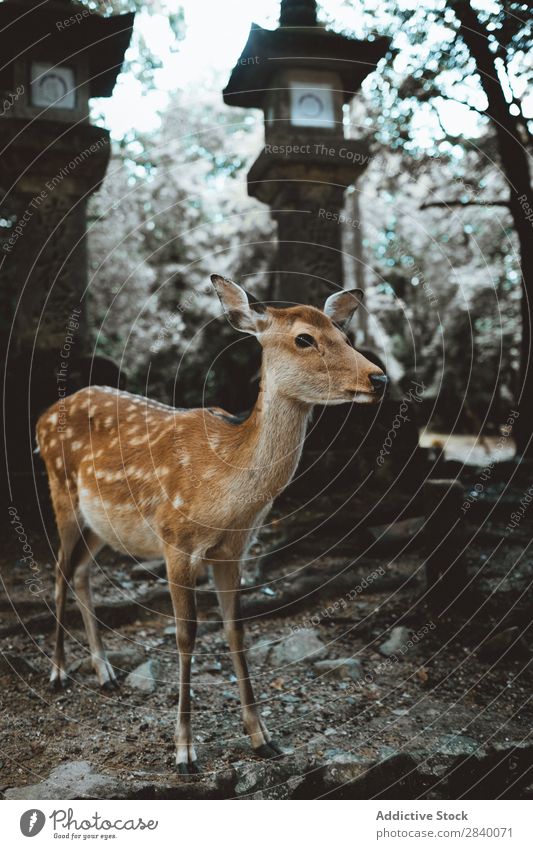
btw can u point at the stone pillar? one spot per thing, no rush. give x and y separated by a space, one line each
309 264
305 191
47 174
44 271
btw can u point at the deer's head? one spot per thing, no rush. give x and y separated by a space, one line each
306 353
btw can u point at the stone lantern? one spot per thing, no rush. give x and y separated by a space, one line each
303 76
56 56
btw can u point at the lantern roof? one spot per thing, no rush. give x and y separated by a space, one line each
300 42
62 30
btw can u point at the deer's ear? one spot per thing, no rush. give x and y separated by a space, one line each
236 304
341 306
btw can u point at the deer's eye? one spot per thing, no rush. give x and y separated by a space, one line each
304 340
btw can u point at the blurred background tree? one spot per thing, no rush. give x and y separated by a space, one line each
451 61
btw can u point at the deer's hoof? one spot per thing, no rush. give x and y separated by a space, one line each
110 685
58 680
269 750
188 768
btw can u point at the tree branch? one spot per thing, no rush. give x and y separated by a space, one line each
445 132
446 203
481 112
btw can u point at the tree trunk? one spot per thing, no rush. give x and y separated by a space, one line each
514 162
359 269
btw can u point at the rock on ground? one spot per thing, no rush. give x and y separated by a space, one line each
340 667
301 645
144 678
74 780
398 637
122 659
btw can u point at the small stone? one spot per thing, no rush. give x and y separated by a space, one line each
249 774
397 639
302 645
342 668
122 659
143 678
259 652
125 658
213 666
456 744
343 769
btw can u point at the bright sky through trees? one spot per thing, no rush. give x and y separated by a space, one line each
215 34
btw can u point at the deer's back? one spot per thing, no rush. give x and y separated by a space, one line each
135 470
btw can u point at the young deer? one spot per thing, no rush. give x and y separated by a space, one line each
194 485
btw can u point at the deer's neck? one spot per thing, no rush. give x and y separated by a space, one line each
273 436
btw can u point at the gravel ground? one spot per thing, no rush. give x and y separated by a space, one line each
370 690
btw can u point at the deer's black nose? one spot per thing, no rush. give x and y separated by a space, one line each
379 382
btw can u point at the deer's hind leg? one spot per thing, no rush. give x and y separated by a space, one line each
69 535
86 549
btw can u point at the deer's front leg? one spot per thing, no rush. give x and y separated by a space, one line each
227 581
182 579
